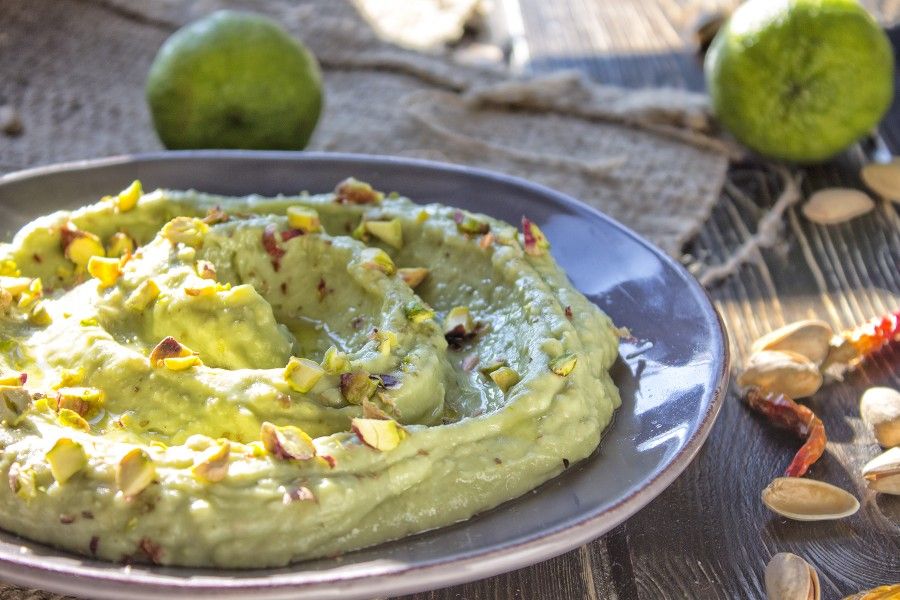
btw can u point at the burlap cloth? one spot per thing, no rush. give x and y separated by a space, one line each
74 71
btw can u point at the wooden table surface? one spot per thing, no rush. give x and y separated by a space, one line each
708 535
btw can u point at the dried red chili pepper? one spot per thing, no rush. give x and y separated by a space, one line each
874 335
783 412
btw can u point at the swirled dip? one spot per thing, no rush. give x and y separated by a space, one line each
191 379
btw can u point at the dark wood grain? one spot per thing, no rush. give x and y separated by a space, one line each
708 535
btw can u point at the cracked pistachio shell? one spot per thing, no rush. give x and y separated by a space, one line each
883 472
803 499
879 408
782 372
789 577
809 338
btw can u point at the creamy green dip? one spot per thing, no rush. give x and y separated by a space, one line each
234 386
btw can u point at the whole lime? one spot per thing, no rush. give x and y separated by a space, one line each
234 80
800 80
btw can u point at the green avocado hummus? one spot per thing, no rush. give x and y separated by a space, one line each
191 379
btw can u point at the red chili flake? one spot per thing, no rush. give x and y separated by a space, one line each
37 258
67 234
95 543
87 514
874 335
497 461
568 312
151 549
66 519
215 215
299 494
270 243
329 459
284 288
783 412
290 234
322 289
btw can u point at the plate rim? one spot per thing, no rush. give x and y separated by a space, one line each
399 579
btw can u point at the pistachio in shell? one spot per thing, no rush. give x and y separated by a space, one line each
883 472
808 500
879 408
810 338
883 179
784 372
789 577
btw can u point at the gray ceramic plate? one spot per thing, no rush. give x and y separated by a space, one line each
672 384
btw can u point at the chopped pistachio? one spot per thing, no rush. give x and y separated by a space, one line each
422 216
239 294
80 246
204 288
8 268
387 340
13 402
505 378
170 348
413 276
459 322
466 223
70 418
206 270
6 300
13 379
189 231
32 294
107 270
134 472
182 363
70 378
335 361
536 243
564 364
143 296
287 443
39 315
66 458
16 286
418 312
359 232
120 244
357 386
213 465
22 481
378 260
83 400
302 374
128 198
379 434
492 366
304 219
353 191
389 232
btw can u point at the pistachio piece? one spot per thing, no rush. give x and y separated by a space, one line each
9 268
417 311
206 270
127 199
492 366
505 378
79 246
535 241
353 191
13 402
38 315
808 500
168 348
458 327
107 270
387 340
389 232
468 224
134 472
809 338
142 296
13 379
883 179
16 286
302 374
357 386
784 372
82 400
69 418
413 276
378 260
832 206
212 466
22 481
335 361
6 300
120 244
185 230
32 294
287 443
304 219
879 408
204 288
789 577
66 458
182 363
564 364
883 472
379 434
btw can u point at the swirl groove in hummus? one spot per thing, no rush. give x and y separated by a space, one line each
192 379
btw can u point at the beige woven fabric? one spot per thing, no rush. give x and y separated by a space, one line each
75 72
